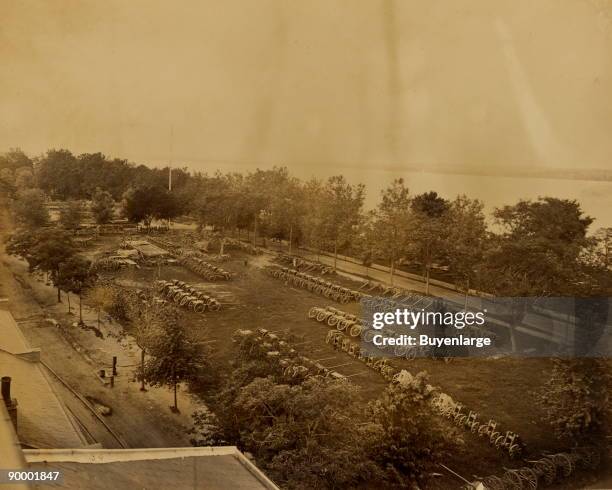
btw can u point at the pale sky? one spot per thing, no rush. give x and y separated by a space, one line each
323 83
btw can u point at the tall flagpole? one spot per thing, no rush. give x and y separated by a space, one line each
170 163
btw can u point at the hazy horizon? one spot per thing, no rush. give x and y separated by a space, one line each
353 85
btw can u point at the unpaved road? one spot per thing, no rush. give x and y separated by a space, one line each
140 419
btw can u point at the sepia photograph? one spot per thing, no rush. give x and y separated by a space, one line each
306 245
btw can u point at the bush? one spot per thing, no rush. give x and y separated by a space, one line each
409 439
309 435
576 399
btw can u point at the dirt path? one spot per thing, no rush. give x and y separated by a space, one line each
140 419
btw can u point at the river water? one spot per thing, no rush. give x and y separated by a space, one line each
595 197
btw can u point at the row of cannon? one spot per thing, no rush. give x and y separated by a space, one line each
383 289
508 441
341 342
341 320
205 269
187 296
543 471
355 327
443 403
113 264
304 265
171 246
409 300
234 244
316 285
293 366
548 469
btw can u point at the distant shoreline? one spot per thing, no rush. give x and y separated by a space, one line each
593 175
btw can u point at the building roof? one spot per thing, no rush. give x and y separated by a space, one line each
43 423
147 249
213 468
42 419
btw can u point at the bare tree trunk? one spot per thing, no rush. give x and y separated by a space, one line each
290 237
335 253
80 309
512 336
427 280
68 294
175 400
391 271
175 408
467 294
59 297
142 370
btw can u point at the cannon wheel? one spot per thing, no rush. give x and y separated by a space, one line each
513 479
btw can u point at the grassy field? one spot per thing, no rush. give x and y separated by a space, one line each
502 389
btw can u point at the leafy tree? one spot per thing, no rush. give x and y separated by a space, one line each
15 171
391 224
430 226
102 206
594 274
409 440
602 247
552 219
537 253
101 297
7 182
430 204
286 212
312 219
46 250
305 435
340 211
60 175
21 244
146 203
76 276
174 358
7 175
205 430
71 215
467 239
213 202
24 178
265 188
30 209
576 400
15 159
147 323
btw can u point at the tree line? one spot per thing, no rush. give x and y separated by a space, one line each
317 431
542 247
